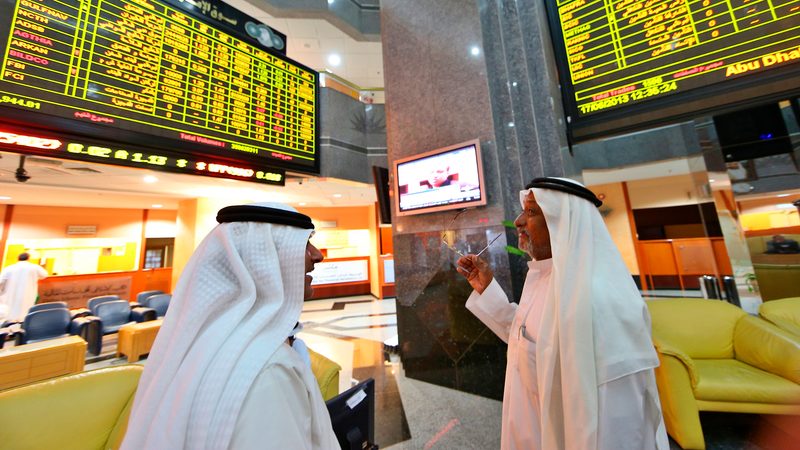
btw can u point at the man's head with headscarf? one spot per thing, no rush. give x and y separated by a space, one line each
532 226
277 214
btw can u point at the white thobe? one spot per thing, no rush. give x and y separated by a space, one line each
284 408
20 287
628 413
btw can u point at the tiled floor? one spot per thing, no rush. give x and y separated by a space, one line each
360 333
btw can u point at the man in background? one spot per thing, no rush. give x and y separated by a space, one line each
580 357
782 245
19 286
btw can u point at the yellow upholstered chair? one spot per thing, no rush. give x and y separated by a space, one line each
88 410
777 280
716 357
784 313
327 374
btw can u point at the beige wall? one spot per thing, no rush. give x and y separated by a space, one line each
347 218
617 222
29 223
161 223
50 222
354 218
662 192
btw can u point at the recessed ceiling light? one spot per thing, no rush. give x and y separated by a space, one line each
3 197
782 195
158 206
334 59
337 195
150 179
474 50
302 204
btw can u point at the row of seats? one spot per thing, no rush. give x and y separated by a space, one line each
105 315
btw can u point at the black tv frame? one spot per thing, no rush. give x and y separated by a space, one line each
436 207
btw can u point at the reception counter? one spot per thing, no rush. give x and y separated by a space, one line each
340 277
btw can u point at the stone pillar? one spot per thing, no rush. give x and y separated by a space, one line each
456 71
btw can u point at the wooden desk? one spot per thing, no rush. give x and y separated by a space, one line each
136 339
41 360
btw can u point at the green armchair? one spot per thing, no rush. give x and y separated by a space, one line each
716 357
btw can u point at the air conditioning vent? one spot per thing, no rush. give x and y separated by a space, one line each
43 162
83 170
56 170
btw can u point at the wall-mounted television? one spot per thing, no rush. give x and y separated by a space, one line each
441 179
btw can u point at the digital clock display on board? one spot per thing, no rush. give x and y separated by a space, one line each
193 77
617 54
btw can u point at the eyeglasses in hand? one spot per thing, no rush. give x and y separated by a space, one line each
451 247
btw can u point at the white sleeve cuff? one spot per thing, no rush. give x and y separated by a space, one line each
493 309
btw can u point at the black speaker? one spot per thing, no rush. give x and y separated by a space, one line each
753 133
381 177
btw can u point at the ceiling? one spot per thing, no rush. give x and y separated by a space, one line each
66 183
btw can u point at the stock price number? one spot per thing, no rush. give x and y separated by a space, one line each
269 176
30 104
123 155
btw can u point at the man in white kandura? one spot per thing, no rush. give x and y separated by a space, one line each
580 358
19 286
221 373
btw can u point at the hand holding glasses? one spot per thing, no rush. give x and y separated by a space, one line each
451 247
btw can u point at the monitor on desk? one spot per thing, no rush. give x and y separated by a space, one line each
353 416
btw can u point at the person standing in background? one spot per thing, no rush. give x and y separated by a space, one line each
19 287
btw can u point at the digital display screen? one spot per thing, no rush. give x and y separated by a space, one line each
617 54
447 178
191 77
84 149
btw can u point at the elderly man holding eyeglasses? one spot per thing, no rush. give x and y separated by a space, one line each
580 359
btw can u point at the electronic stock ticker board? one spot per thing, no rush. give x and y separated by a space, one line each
177 85
615 55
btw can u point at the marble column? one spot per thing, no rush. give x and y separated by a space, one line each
456 71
